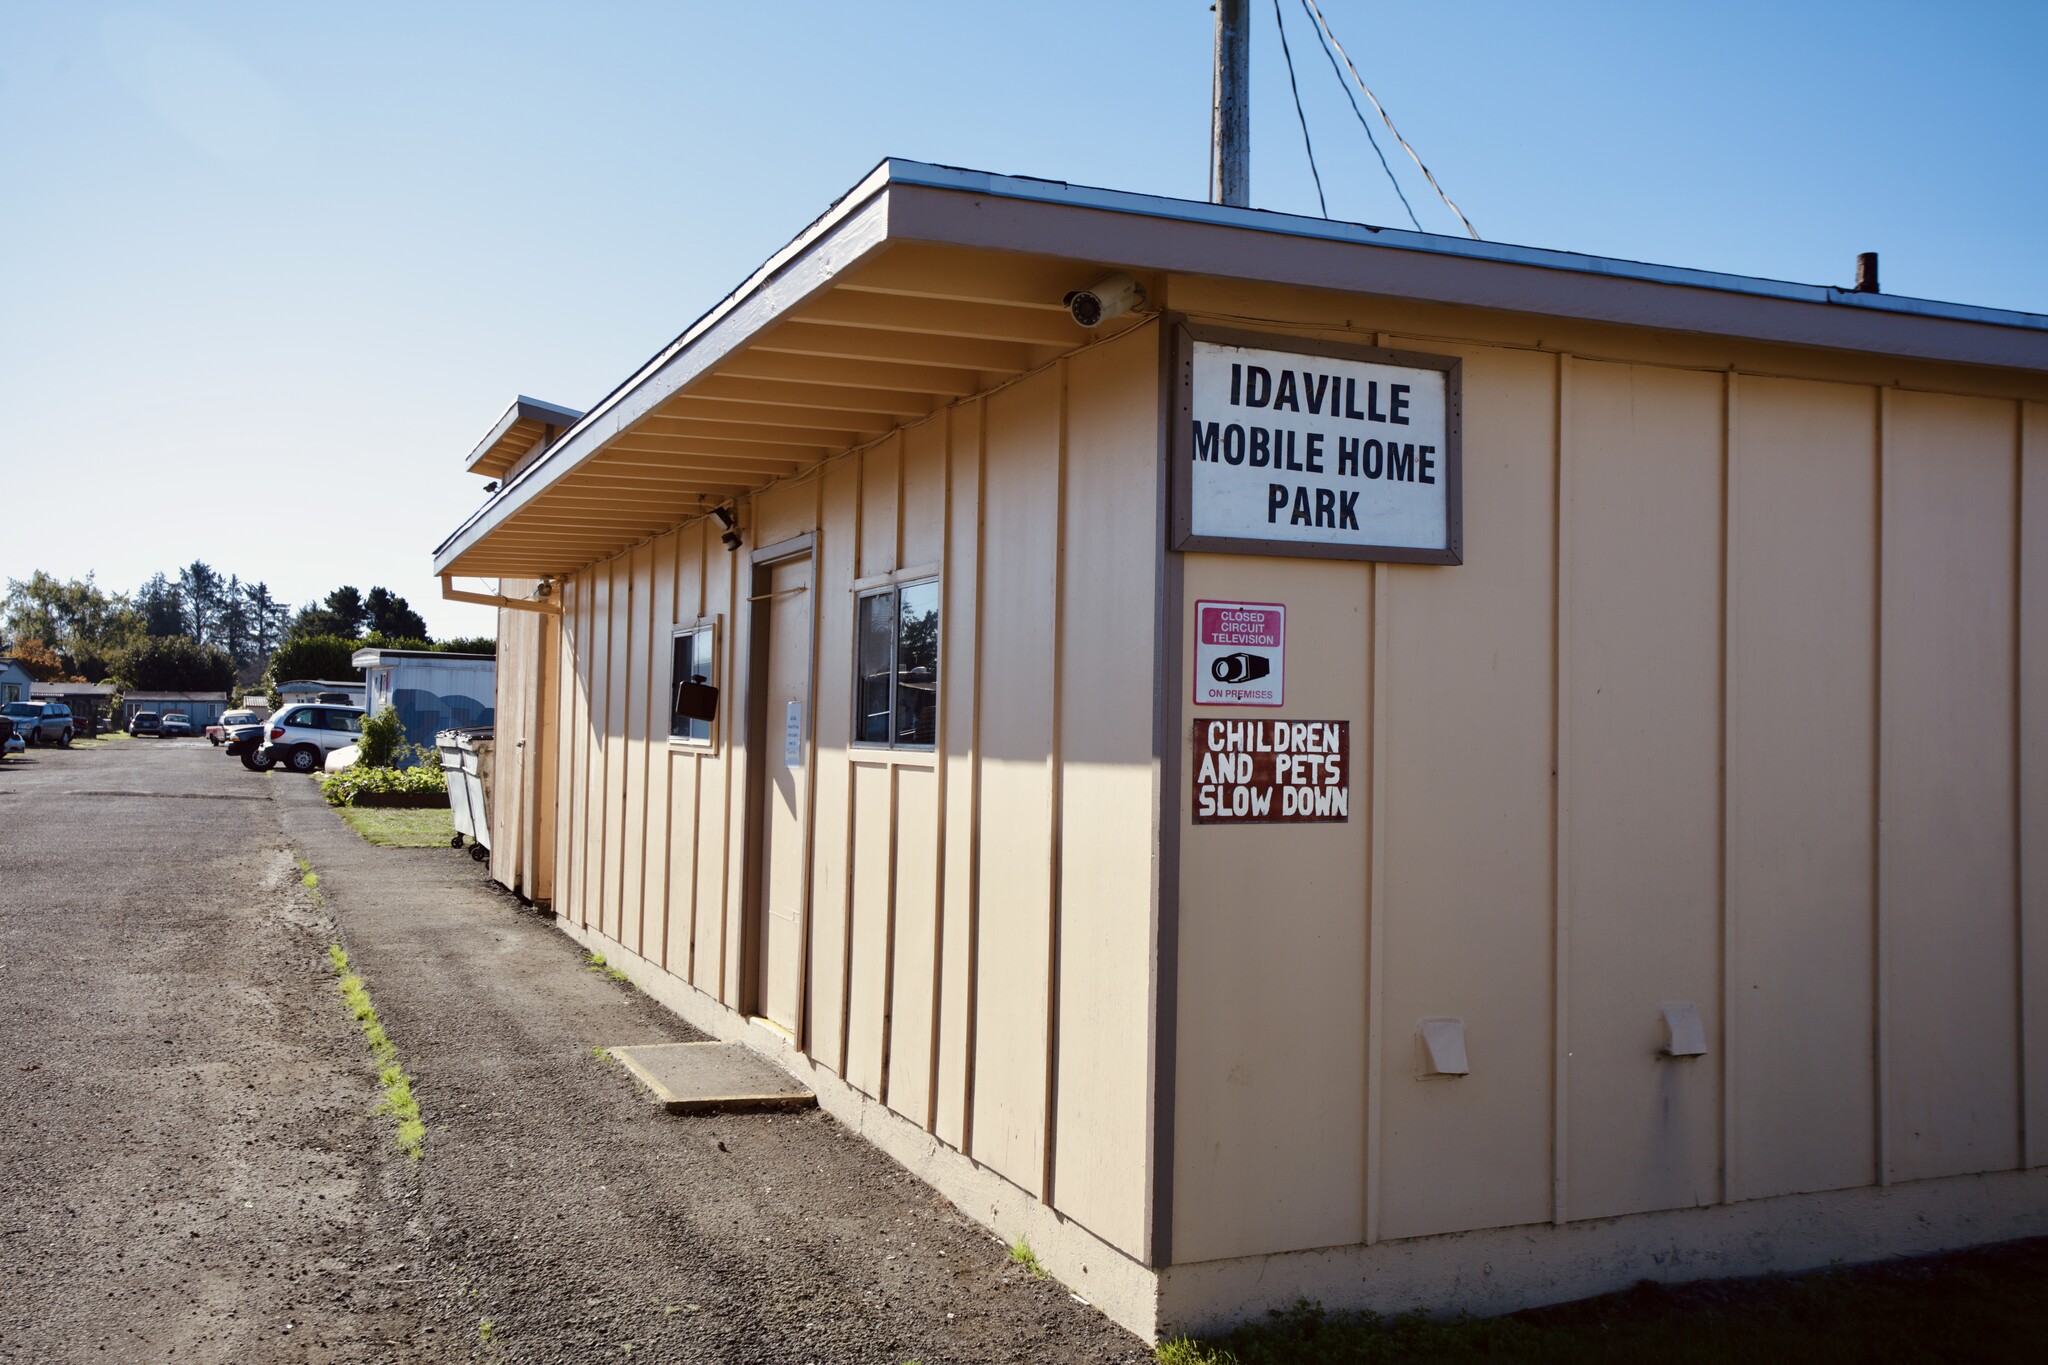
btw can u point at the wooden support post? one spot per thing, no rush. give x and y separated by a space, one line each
1230 125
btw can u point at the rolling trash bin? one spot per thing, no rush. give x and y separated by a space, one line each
466 759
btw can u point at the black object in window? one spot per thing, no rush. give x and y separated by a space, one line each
693 702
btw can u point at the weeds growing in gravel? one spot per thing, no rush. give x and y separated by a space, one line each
594 962
1022 1254
397 1099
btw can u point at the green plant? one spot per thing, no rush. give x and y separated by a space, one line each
594 962
383 739
397 1100
484 1330
424 785
1022 1254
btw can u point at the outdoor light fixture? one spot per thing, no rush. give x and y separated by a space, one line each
1109 297
730 538
543 589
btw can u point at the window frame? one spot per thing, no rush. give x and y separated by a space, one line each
893 584
703 625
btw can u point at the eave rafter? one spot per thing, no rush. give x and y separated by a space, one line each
911 329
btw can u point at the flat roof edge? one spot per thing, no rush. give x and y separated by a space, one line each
1066 220
375 656
1400 239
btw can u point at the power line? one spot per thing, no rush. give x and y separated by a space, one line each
1362 120
1321 202
1318 14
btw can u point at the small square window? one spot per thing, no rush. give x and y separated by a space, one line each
896 655
693 694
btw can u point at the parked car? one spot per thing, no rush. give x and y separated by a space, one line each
41 722
174 723
246 742
145 723
10 743
301 736
218 731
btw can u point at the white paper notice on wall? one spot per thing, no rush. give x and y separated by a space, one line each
1332 451
793 734
1240 654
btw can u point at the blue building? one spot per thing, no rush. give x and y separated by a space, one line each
432 691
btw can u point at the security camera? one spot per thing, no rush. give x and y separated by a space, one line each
1109 297
730 537
1237 668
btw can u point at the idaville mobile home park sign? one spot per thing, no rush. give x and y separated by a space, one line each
1284 447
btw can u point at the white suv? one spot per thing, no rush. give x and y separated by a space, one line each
301 736
41 722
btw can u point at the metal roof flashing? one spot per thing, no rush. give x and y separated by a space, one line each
910 201
524 421
1028 189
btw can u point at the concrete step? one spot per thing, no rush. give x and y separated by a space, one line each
703 1078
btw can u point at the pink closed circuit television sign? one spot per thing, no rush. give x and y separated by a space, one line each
1240 653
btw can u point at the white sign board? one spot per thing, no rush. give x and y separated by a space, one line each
1240 653
793 733
1339 452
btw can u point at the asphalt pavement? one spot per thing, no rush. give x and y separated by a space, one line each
191 1167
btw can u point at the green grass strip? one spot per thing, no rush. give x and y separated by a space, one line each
400 826
397 1099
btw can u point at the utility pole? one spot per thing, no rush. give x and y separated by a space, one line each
1230 114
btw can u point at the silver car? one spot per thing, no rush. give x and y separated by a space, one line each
301 736
40 722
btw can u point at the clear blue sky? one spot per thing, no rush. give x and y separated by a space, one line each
314 250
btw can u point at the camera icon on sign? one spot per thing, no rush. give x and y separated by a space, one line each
1240 667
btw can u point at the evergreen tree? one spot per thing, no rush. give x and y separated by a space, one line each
392 616
349 612
268 619
172 663
162 607
314 620
325 657
201 588
235 634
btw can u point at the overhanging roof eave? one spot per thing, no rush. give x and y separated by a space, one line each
914 202
852 230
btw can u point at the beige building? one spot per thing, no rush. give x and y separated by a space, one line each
1395 770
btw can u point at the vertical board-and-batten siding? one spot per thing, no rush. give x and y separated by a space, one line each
2032 700
980 915
1722 707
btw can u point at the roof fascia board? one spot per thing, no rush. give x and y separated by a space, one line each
496 434
529 409
548 414
1267 223
795 275
1201 247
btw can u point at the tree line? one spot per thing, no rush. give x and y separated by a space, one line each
197 631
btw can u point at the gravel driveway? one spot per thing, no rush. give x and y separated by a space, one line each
192 1171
